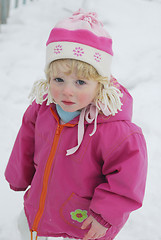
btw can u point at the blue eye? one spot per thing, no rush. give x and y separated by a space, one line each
59 80
80 82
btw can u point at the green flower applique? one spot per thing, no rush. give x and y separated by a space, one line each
79 215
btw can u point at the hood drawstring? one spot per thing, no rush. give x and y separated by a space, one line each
90 114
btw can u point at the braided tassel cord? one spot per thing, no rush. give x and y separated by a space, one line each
110 98
39 89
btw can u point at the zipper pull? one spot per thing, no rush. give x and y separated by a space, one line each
33 235
58 130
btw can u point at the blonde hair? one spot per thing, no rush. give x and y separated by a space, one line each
82 69
106 94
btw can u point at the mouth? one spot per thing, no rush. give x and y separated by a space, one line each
67 103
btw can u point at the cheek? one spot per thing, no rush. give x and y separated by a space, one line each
55 92
85 98
88 95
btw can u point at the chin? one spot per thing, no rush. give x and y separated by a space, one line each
67 109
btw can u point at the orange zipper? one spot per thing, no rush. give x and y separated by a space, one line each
46 178
47 172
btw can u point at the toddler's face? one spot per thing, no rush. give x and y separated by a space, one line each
71 93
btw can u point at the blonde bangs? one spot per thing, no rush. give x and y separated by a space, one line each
81 69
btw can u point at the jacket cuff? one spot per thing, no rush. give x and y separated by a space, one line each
17 189
99 219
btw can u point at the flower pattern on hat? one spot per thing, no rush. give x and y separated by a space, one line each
78 51
79 215
58 49
97 57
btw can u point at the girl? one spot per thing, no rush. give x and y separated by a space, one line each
77 149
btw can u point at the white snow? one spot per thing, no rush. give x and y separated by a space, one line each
135 28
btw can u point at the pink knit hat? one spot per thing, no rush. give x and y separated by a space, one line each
81 37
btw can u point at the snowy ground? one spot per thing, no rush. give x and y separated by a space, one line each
136 31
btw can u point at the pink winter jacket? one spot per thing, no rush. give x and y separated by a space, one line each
105 178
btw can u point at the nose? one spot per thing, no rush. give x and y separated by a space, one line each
68 90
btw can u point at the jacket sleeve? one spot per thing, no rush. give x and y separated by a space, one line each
20 168
122 192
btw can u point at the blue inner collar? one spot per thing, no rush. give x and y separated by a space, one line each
66 116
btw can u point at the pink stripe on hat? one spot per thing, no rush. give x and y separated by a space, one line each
82 36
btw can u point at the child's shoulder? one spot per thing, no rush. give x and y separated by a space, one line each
33 110
118 129
119 137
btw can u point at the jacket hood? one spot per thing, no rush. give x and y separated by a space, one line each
126 110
